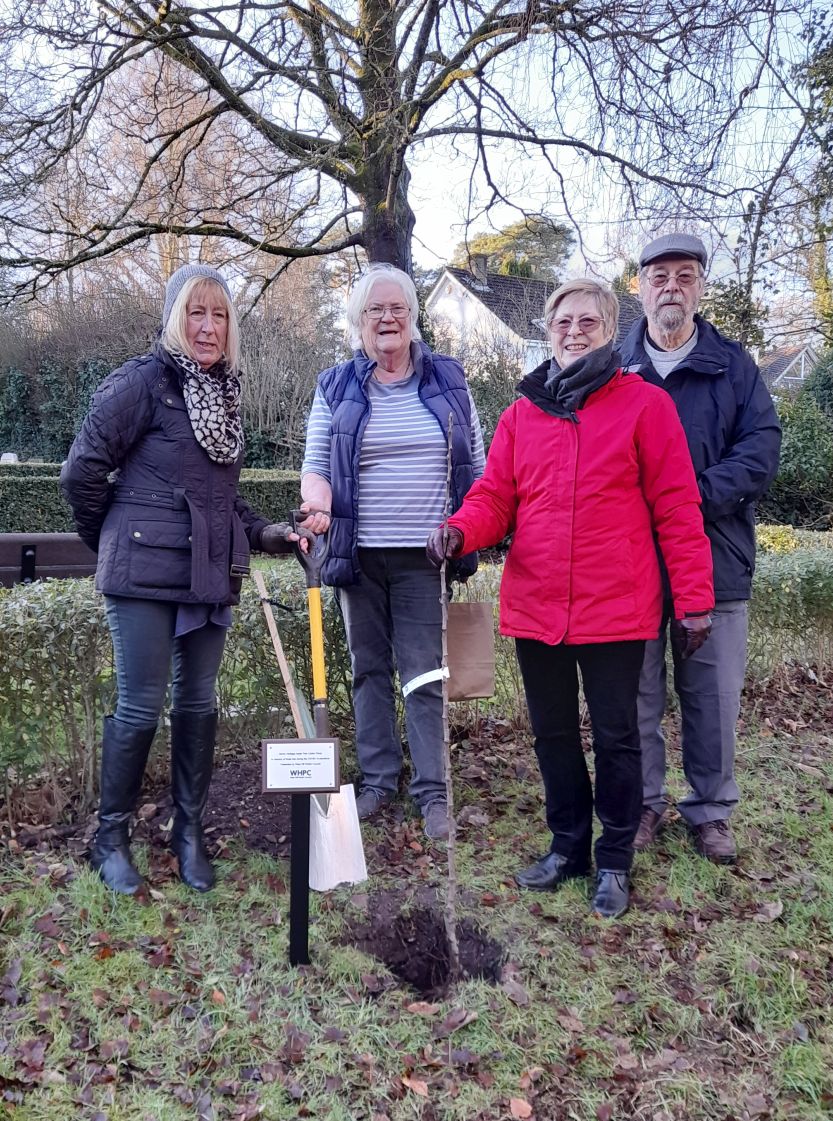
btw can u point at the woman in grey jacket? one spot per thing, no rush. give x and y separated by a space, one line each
152 481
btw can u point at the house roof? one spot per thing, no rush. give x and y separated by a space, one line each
630 309
518 301
778 363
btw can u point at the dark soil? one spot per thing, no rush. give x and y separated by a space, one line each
237 810
412 942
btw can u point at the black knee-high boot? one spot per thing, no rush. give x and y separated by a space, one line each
124 755
192 760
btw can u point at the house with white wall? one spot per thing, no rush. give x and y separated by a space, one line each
480 310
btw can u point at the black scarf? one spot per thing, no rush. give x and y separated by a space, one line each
571 386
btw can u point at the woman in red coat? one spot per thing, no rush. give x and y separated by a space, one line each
586 470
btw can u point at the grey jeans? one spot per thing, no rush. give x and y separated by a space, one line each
708 685
393 617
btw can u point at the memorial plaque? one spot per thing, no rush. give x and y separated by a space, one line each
300 766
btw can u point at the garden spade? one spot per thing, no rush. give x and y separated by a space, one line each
336 849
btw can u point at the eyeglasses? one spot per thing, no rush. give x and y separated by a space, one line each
685 279
376 311
586 324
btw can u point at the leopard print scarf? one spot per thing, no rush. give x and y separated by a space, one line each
212 398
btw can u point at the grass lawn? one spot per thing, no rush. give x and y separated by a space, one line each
709 1000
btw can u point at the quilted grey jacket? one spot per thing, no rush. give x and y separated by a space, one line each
171 525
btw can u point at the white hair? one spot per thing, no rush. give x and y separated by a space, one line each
174 337
360 297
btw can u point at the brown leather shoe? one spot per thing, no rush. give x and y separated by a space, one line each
649 826
714 840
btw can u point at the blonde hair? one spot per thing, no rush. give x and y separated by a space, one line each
360 294
606 302
174 336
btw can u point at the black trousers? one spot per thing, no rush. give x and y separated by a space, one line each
610 676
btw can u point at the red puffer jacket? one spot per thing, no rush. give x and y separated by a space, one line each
583 499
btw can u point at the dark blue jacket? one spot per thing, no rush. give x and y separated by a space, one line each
442 387
734 438
171 525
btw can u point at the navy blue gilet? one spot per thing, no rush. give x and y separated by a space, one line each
442 389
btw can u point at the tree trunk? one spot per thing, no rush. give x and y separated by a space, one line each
387 231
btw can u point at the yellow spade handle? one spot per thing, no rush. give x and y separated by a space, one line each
316 631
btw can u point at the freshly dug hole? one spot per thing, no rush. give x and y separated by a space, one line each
414 946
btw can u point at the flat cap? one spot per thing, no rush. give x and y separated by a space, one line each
674 245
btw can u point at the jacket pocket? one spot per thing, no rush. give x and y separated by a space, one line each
160 554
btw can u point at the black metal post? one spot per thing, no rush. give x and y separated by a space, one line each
299 882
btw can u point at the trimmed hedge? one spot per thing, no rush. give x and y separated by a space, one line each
33 503
29 468
56 677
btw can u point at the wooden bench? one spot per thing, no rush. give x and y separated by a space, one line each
25 557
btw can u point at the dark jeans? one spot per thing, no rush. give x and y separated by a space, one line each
610 676
144 647
394 615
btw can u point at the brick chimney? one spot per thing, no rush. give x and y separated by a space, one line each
479 267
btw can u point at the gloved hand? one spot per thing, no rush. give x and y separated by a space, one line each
444 543
280 536
688 635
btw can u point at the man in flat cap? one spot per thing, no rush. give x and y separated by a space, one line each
734 438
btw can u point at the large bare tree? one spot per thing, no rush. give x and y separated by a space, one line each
329 101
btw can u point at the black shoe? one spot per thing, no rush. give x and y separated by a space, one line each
192 761
124 753
612 894
548 873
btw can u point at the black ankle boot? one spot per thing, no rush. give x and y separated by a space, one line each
124 754
192 760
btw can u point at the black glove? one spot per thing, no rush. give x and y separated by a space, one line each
444 543
276 538
688 635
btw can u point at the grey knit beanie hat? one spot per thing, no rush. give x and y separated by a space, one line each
178 280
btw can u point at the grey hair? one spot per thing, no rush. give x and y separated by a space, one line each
360 295
606 302
174 336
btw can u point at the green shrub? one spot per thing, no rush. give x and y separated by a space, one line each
776 539
819 385
20 470
802 493
32 502
791 612
56 677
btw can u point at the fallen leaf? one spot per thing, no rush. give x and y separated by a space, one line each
47 926
416 1084
516 992
569 1022
456 1019
161 997
520 1108
604 1112
757 1105
422 1008
113 1048
769 912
